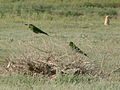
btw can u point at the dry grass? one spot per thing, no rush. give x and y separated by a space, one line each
51 62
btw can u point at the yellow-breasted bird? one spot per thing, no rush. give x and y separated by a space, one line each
35 29
74 47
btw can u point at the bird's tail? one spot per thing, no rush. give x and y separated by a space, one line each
80 51
85 54
45 33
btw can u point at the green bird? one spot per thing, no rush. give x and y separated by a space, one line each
35 29
74 47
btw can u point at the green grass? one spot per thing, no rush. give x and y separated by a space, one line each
34 83
78 3
77 22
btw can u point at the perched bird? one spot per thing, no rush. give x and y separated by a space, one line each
35 29
74 47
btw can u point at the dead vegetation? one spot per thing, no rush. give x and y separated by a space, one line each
52 62
47 63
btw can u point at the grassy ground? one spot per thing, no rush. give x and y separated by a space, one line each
35 83
84 26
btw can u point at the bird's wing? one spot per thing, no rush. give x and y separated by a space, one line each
37 30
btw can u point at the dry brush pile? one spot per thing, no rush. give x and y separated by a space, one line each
51 63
